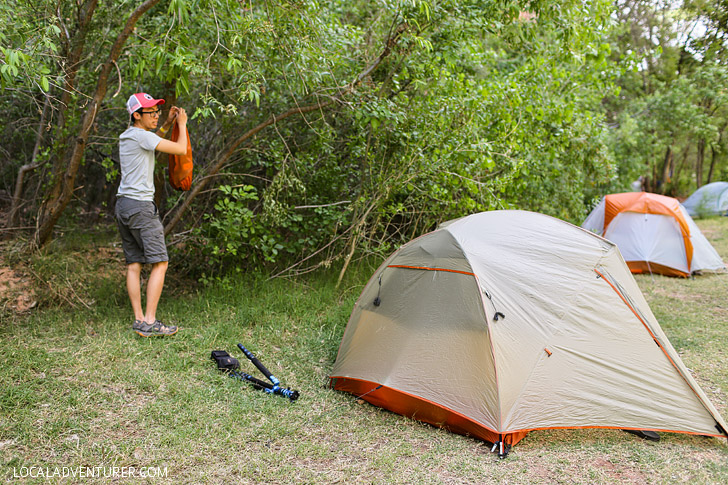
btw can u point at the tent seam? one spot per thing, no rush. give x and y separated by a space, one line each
483 304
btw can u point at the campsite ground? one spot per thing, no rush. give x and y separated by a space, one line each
79 389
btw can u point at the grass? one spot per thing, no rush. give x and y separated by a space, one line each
78 388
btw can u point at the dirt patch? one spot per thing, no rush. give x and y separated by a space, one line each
682 295
16 292
621 473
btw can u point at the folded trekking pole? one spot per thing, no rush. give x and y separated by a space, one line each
276 387
230 365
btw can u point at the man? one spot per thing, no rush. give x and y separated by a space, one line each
142 233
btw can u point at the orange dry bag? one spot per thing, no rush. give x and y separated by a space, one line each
180 166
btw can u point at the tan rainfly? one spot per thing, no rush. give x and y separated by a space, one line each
505 322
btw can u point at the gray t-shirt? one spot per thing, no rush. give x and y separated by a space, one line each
136 154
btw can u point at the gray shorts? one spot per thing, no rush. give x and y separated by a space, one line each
142 233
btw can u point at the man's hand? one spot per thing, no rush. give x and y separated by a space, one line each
173 111
171 117
181 116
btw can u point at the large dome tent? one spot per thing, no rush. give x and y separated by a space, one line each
505 322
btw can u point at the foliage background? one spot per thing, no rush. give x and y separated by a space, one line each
326 130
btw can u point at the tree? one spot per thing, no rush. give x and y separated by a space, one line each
671 112
64 175
325 128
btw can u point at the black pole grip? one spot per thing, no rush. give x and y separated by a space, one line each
259 365
257 383
260 385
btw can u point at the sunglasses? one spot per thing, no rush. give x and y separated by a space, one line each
154 113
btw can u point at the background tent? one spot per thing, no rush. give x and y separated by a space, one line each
504 322
654 234
708 200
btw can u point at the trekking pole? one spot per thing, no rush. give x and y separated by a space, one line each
256 383
259 365
276 389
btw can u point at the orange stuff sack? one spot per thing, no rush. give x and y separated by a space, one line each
180 166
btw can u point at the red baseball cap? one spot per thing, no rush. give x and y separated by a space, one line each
141 100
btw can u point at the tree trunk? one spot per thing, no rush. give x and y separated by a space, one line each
71 60
71 63
683 159
666 167
14 216
74 51
713 153
699 162
60 196
712 164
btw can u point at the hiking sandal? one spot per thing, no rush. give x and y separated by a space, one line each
156 329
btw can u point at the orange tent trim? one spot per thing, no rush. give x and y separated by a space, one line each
430 269
422 410
431 413
645 267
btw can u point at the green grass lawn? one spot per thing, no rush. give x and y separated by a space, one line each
78 388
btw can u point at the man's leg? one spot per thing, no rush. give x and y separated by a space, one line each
134 287
154 290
